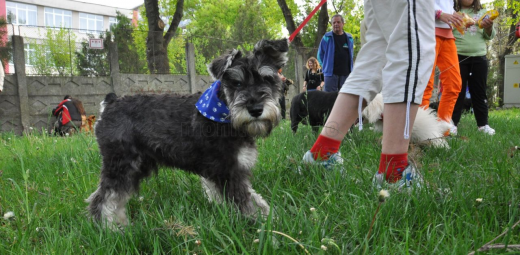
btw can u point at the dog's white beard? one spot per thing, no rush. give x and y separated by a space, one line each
261 126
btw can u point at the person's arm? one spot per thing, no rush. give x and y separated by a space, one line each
56 111
306 80
451 18
321 52
489 32
322 84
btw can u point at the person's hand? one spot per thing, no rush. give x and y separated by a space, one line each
487 23
449 19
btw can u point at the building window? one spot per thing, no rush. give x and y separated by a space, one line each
58 18
29 54
112 21
90 23
21 14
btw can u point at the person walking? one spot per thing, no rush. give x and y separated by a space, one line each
472 50
336 55
446 59
396 60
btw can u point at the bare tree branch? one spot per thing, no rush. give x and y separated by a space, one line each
176 20
291 26
323 20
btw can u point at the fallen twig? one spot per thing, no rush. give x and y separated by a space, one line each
486 246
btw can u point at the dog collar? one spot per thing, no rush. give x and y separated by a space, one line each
211 107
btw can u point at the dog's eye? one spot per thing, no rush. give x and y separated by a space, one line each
238 84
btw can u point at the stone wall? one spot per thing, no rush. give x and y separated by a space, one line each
45 93
27 101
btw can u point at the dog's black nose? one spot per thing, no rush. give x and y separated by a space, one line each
256 110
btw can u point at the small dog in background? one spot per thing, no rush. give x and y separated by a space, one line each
87 123
426 128
315 106
311 108
212 135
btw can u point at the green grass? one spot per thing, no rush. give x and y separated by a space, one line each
44 181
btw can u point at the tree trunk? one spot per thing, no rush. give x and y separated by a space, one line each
156 53
323 20
175 23
511 39
291 26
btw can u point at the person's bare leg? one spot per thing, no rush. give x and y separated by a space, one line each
393 127
342 117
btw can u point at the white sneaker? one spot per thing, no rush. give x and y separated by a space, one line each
453 130
334 160
411 178
486 129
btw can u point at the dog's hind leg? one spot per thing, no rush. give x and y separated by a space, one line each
121 174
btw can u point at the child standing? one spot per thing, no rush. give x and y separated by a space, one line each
446 59
396 60
472 50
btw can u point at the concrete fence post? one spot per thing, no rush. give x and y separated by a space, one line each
298 72
23 93
113 55
190 67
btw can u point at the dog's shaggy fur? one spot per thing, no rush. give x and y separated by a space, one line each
137 134
427 129
316 106
311 108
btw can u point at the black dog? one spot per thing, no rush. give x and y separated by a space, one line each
137 134
312 107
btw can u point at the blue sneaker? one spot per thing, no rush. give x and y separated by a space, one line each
411 178
334 160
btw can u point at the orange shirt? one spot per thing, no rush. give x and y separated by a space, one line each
445 33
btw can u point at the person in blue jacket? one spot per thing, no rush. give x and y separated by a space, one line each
336 55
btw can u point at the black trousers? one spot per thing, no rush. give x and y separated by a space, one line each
473 71
282 106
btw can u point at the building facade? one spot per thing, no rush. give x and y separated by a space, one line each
32 18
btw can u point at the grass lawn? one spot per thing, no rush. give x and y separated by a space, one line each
44 181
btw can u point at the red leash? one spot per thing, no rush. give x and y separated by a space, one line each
291 38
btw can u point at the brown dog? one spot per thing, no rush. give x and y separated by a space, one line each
87 124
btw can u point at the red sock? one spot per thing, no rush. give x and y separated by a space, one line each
393 165
324 146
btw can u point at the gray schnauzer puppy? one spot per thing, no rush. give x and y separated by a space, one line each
137 134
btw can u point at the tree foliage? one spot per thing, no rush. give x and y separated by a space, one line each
157 41
55 54
5 45
122 32
93 62
504 43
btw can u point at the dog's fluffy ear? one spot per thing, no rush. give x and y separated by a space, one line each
272 52
218 66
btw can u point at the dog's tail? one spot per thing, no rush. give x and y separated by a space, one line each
428 129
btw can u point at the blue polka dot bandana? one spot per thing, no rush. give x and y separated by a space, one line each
211 107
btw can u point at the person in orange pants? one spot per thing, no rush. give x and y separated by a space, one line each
446 59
